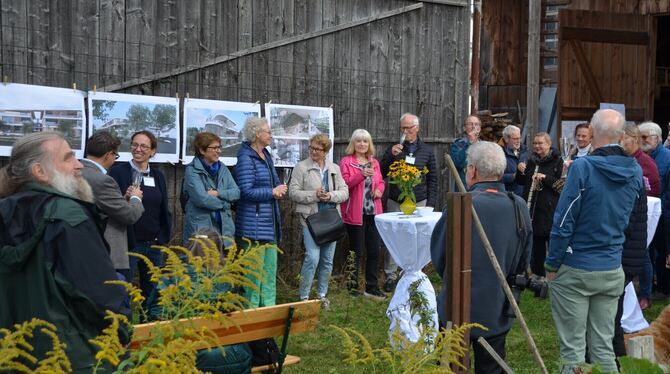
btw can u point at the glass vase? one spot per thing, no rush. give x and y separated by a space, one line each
408 206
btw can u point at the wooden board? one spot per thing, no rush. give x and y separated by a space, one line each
605 57
247 325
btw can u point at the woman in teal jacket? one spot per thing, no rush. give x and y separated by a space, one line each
210 189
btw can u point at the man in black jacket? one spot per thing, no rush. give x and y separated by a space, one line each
417 153
511 240
53 260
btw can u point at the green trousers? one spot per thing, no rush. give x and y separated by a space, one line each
584 303
266 293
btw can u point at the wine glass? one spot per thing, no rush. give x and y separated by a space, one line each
286 176
566 147
137 179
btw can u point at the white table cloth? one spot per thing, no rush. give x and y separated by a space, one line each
653 214
408 240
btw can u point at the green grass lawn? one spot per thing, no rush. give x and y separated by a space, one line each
321 350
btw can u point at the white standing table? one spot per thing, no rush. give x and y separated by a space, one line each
408 240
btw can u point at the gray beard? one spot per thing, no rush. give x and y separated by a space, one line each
72 185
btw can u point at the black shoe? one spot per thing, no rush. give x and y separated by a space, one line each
375 293
390 284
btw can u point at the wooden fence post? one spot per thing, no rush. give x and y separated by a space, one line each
458 270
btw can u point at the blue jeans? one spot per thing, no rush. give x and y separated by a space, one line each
156 258
316 258
647 276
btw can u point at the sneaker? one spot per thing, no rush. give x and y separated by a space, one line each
390 284
375 294
325 303
645 303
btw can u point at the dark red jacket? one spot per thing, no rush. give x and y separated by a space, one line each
650 171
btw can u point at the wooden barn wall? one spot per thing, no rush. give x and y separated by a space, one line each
504 45
504 51
414 61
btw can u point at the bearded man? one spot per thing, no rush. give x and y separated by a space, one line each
54 261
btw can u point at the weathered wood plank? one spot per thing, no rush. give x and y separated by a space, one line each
244 40
313 54
14 41
360 60
328 76
208 36
112 37
85 37
245 51
299 53
227 80
342 72
260 60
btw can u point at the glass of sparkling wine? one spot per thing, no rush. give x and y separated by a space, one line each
137 179
565 148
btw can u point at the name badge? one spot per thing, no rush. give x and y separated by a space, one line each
410 160
149 182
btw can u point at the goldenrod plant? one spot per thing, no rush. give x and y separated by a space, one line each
188 286
431 353
415 357
16 353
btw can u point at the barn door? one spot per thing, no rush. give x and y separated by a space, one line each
605 57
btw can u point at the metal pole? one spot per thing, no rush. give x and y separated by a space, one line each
496 266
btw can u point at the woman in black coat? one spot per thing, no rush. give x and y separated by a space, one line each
543 197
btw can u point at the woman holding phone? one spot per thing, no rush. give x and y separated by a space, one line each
317 184
363 176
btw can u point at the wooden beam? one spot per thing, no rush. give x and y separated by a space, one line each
585 113
259 48
446 2
533 74
474 68
605 36
584 66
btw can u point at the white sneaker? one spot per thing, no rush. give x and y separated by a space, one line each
325 303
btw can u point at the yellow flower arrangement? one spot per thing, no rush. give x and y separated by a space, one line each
406 177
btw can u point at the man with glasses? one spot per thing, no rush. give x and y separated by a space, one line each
459 149
650 134
101 151
515 153
417 153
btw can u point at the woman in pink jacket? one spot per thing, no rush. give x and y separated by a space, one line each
363 176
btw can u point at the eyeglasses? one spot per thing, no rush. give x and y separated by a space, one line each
473 124
116 155
215 147
643 137
267 131
143 147
313 149
407 128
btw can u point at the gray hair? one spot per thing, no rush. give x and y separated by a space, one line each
488 158
608 124
407 115
252 126
507 131
652 128
26 152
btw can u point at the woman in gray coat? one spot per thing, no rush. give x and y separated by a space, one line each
210 189
317 184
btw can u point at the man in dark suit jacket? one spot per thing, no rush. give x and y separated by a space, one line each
101 152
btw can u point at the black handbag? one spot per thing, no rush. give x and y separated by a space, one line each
326 225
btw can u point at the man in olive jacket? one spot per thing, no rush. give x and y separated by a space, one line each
53 260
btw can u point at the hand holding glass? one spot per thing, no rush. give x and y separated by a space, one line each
565 148
137 179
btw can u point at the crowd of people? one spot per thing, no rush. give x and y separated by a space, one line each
579 224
